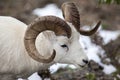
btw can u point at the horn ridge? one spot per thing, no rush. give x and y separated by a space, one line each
71 14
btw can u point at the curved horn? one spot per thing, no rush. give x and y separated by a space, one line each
71 14
41 24
90 32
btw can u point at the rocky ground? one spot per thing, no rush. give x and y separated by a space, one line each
90 12
94 72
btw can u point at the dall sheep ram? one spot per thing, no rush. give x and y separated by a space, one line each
25 49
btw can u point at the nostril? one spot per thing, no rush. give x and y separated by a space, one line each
85 61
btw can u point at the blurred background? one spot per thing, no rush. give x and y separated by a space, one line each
107 40
90 10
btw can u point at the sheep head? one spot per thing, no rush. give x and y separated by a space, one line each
66 46
41 24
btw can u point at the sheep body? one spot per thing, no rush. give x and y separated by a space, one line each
18 53
13 56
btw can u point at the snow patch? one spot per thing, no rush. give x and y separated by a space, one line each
57 66
108 69
109 35
50 9
34 76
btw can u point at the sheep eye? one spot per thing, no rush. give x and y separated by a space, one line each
64 46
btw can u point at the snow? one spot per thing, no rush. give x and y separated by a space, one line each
108 69
50 9
93 51
109 35
34 77
55 67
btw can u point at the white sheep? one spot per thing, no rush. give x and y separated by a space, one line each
25 50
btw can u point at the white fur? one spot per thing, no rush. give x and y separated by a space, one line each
14 58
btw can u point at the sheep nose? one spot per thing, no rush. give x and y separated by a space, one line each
85 61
